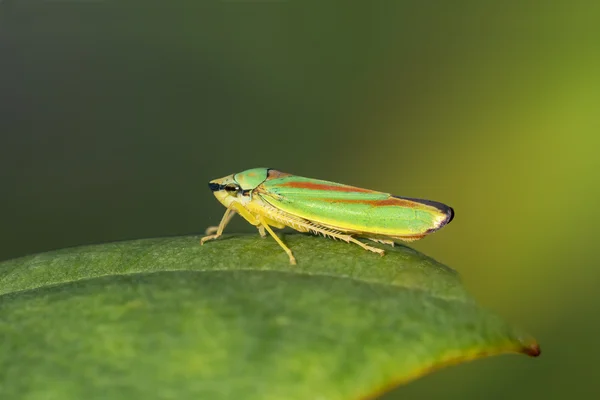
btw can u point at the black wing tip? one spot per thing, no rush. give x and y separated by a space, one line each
448 211
444 209
450 214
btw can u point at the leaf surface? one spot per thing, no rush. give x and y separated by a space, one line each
168 318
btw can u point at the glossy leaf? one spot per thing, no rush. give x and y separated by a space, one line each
168 318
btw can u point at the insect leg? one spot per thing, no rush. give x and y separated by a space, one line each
390 242
303 226
287 250
212 229
224 221
346 238
261 231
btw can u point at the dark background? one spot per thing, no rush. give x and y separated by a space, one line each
114 115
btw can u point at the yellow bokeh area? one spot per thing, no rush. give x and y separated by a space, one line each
117 117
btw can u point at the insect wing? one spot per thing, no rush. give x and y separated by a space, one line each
353 209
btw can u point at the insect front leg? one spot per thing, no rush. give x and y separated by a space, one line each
212 229
229 213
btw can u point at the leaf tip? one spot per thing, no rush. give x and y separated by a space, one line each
532 350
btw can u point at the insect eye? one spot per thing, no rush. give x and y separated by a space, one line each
232 188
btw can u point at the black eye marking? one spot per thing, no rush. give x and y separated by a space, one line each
232 188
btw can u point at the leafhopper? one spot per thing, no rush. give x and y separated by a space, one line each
269 198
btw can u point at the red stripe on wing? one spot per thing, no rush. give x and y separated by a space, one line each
392 201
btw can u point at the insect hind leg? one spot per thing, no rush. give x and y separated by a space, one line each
345 237
382 241
348 239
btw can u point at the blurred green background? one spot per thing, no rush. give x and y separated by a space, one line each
114 115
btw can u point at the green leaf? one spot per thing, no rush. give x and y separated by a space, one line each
168 318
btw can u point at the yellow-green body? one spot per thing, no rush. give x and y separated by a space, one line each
266 197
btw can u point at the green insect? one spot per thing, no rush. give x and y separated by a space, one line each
269 198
